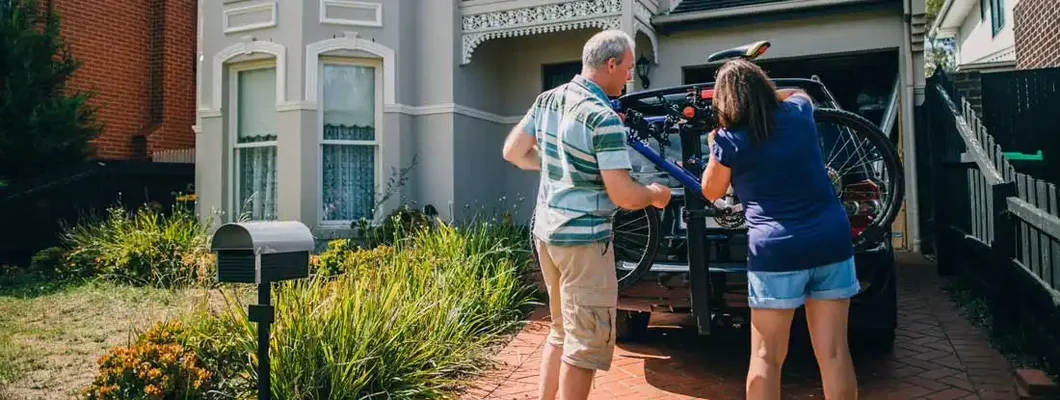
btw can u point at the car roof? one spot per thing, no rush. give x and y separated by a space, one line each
646 100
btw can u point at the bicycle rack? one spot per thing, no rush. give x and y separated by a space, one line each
695 215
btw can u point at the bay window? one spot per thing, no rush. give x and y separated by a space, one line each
349 117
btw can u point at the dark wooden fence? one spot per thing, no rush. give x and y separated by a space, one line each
994 227
33 212
1022 111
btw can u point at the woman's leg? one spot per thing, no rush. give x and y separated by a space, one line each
827 322
773 297
827 310
770 329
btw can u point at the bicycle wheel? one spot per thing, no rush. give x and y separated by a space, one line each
865 170
635 241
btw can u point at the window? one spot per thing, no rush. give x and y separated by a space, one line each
982 9
254 150
348 141
997 16
553 75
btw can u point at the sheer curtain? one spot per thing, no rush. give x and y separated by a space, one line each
348 146
256 144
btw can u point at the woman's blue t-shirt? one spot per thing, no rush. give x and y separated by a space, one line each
794 217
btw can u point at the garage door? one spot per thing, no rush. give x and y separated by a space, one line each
861 82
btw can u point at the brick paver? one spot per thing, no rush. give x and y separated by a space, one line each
938 355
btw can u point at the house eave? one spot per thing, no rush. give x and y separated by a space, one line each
951 17
793 9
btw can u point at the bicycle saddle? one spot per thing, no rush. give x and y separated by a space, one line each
748 51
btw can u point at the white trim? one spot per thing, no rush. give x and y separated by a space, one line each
375 144
452 108
296 106
377 8
350 41
227 14
248 48
196 128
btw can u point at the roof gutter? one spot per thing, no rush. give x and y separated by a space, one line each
728 12
937 25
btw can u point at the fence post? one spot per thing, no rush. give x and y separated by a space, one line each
1003 249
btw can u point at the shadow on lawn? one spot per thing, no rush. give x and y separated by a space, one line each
30 285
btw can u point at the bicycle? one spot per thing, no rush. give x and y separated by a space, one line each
871 195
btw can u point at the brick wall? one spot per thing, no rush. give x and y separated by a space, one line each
1037 33
139 57
970 86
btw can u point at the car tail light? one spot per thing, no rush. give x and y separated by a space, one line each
862 203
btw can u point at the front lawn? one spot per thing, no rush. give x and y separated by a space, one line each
407 310
51 337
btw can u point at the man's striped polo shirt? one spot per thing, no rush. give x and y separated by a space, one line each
578 135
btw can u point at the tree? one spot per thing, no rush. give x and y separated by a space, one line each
44 125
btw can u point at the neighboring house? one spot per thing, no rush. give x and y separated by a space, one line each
982 31
307 107
1037 33
140 59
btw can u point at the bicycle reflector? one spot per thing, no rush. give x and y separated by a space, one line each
862 203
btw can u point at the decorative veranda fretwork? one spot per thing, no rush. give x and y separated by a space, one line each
580 14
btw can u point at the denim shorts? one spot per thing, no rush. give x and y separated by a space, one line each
789 289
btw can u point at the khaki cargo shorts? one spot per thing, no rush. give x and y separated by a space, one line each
582 296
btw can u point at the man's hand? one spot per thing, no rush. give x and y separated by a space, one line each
660 195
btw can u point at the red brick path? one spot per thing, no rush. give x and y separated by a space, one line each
938 355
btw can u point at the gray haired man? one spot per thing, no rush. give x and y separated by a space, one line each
585 177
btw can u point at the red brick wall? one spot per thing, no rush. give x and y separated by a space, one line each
120 44
1037 33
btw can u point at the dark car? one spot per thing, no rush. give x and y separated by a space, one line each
666 288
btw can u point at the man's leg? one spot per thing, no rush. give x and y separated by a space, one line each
548 385
589 293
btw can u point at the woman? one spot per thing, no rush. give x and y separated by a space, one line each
800 249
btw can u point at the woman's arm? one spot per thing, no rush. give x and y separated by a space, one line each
716 177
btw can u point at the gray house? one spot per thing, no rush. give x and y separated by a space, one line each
307 108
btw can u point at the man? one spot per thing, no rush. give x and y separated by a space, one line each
586 175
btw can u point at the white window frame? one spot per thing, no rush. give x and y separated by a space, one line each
377 64
233 131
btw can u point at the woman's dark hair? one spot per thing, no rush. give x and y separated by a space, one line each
745 98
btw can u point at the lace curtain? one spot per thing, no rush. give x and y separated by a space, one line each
256 121
348 179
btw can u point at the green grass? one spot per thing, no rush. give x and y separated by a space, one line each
51 335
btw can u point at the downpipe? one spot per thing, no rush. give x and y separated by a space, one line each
912 208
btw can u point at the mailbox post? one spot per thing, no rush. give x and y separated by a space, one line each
262 252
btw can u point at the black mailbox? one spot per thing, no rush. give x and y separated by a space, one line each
262 251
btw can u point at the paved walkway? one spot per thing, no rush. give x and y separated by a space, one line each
938 355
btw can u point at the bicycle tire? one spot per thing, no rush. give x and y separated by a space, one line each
644 262
867 130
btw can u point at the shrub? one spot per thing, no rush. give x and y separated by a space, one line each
143 247
402 222
342 256
47 261
407 324
157 366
